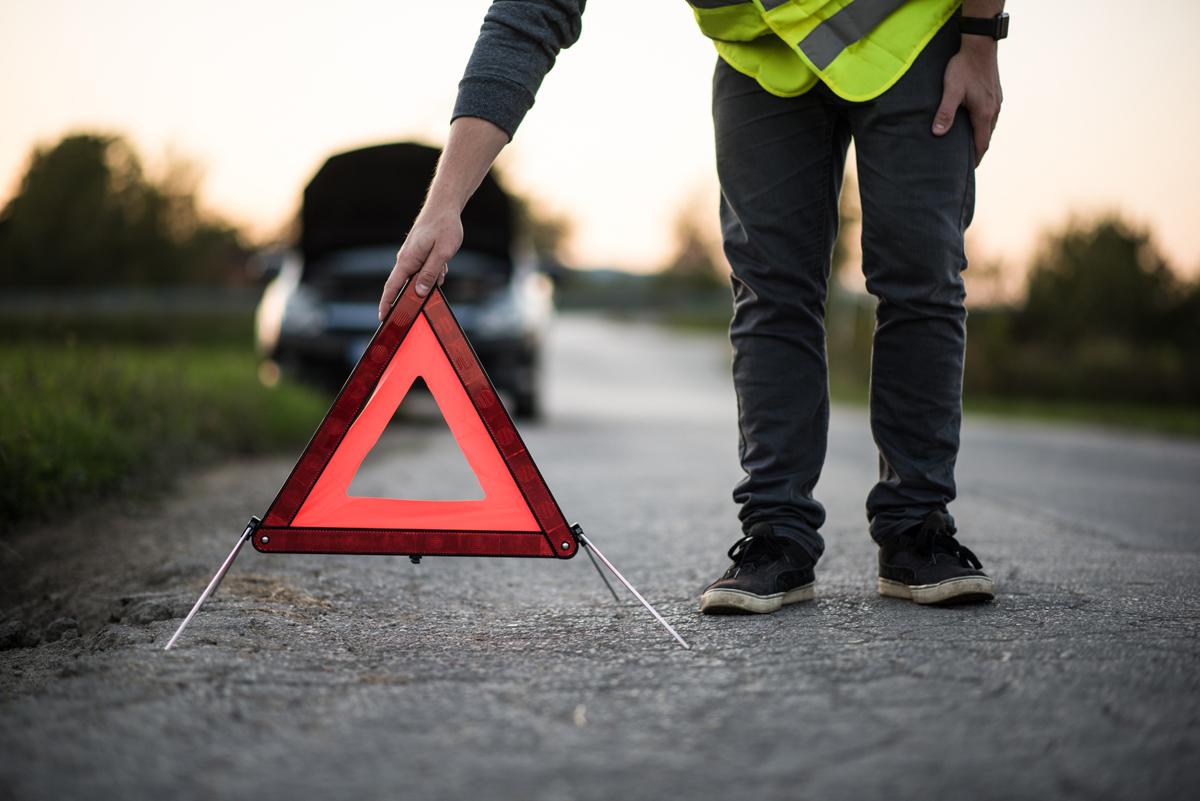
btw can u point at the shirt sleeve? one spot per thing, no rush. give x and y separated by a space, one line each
517 46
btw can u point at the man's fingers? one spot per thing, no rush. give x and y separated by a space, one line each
982 125
391 288
408 260
952 97
983 138
433 269
427 278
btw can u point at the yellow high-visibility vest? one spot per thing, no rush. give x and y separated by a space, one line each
858 48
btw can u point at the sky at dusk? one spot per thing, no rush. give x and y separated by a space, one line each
1101 109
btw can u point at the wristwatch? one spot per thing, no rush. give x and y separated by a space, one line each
996 27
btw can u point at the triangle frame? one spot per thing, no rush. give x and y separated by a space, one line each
311 513
545 534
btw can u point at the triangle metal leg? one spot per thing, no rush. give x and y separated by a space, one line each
216 580
600 571
591 547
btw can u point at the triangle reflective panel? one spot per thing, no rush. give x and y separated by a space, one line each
314 512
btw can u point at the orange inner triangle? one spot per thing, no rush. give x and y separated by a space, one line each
445 477
503 507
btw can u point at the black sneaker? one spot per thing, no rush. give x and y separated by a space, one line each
766 574
927 565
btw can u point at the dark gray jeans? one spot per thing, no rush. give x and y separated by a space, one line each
780 162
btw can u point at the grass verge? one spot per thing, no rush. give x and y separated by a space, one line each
1178 421
1172 420
850 388
83 421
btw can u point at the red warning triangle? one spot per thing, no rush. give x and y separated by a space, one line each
314 512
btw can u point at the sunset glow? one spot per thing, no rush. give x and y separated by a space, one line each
1100 109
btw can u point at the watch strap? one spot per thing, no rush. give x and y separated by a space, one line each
995 27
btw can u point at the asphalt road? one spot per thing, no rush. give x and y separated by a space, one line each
371 678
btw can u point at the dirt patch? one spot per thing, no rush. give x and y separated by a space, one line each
271 588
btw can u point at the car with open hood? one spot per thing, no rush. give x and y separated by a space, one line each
320 308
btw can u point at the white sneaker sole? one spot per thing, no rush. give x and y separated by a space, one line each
733 602
966 589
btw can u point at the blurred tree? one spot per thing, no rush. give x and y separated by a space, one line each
988 280
1184 323
849 310
1100 279
86 215
547 232
698 262
847 248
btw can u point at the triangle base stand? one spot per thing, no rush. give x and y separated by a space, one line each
251 527
591 548
582 538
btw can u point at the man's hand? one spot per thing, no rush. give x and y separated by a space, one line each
437 233
435 237
972 80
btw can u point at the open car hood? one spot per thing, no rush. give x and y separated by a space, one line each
370 197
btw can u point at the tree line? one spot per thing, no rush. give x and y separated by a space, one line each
88 215
1103 316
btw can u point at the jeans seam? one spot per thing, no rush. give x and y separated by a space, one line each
968 184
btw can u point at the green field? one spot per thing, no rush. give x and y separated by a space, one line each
1171 420
98 407
82 421
849 367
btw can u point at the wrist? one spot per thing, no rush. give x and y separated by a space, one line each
982 8
444 201
978 46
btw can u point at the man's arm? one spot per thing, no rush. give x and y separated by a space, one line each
437 233
973 80
517 46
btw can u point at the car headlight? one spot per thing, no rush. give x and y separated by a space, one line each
303 314
501 317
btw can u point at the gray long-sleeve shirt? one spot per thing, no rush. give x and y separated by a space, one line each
517 46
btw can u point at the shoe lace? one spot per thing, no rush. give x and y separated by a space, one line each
751 551
936 536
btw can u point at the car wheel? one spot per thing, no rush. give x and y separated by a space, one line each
527 405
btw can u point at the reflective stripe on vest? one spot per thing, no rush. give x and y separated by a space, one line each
859 48
847 26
